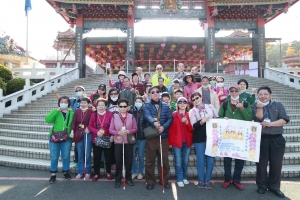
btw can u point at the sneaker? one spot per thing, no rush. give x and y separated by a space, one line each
207 185
180 184
87 176
79 176
186 182
52 179
201 185
109 176
238 185
113 167
140 176
133 176
226 183
75 165
67 175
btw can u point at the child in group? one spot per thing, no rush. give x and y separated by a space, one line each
173 87
177 93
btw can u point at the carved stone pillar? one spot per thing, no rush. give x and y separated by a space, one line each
79 57
130 41
259 46
209 32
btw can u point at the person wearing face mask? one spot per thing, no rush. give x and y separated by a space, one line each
209 96
212 82
234 110
81 120
99 126
61 118
137 112
180 138
273 117
244 95
112 101
221 91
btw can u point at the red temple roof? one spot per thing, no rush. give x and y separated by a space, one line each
239 34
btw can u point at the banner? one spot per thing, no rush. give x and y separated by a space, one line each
233 138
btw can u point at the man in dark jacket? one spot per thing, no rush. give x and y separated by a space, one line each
150 111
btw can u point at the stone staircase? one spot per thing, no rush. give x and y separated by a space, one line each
24 132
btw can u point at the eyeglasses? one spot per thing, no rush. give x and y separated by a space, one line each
234 91
159 68
181 102
78 90
195 99
153 92
123 106
115 93
101 89
220 81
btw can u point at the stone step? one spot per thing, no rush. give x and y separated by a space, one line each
24 134
25 127
23 121
291 129
25 116
288 171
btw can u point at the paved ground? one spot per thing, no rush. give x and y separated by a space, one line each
32 184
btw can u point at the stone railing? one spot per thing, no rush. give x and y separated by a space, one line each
31 93
37 72
282 77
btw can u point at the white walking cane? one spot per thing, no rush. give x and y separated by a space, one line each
123 168
85 156
162 166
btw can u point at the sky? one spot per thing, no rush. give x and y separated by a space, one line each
44 23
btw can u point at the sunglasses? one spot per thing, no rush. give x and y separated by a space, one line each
123 106
115 93
153 92
232 91
78 90
220 81
181 102
195 99
159 68
101 89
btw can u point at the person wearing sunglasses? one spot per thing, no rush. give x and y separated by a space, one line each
162 125
159 70
101 92
180 138
121 125
209 96
235 109
199 115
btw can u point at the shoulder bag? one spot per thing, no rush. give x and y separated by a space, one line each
60 136
150 131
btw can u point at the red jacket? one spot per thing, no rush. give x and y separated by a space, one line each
178 128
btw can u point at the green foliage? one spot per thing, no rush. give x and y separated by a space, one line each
15 85
273 53
5 73
2 86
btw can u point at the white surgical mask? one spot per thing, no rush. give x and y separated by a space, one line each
264 103
234 98
63 105
79 93
114 98
138 105
220 84
205 86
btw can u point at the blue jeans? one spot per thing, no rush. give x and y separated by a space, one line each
203 160
181 156
81 149
141 144
55 149
238 168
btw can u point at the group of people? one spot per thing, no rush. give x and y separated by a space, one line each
117 125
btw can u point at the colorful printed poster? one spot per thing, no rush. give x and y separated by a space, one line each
233 138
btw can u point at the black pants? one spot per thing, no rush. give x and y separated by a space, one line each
271 150
238 168
128 157
75 154
97 151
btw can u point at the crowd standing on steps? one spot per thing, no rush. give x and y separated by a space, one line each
141 117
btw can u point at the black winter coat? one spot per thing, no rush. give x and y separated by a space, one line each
140 122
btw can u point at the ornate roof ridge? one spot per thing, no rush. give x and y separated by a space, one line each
240 34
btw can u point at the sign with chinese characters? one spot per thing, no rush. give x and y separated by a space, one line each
78 47
233 138
130 39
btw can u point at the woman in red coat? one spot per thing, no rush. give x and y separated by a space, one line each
180 137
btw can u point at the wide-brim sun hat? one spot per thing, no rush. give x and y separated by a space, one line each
121 73
79 86
185 77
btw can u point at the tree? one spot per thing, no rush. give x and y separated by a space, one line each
2 86
15 85
5 73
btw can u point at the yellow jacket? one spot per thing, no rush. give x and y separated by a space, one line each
155 79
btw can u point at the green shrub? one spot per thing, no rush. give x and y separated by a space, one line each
5 73
2 86
15 85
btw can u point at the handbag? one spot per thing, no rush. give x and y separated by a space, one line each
130 137
60 136
150 131
103 142
78 135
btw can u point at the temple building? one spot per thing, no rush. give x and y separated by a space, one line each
292 61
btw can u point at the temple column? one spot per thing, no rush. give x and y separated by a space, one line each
130 41
79 58
259 46
209 33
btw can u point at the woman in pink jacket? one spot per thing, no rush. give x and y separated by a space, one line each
190 86
121 125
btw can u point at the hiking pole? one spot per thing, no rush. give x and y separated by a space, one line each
123 168
162 166
84 172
